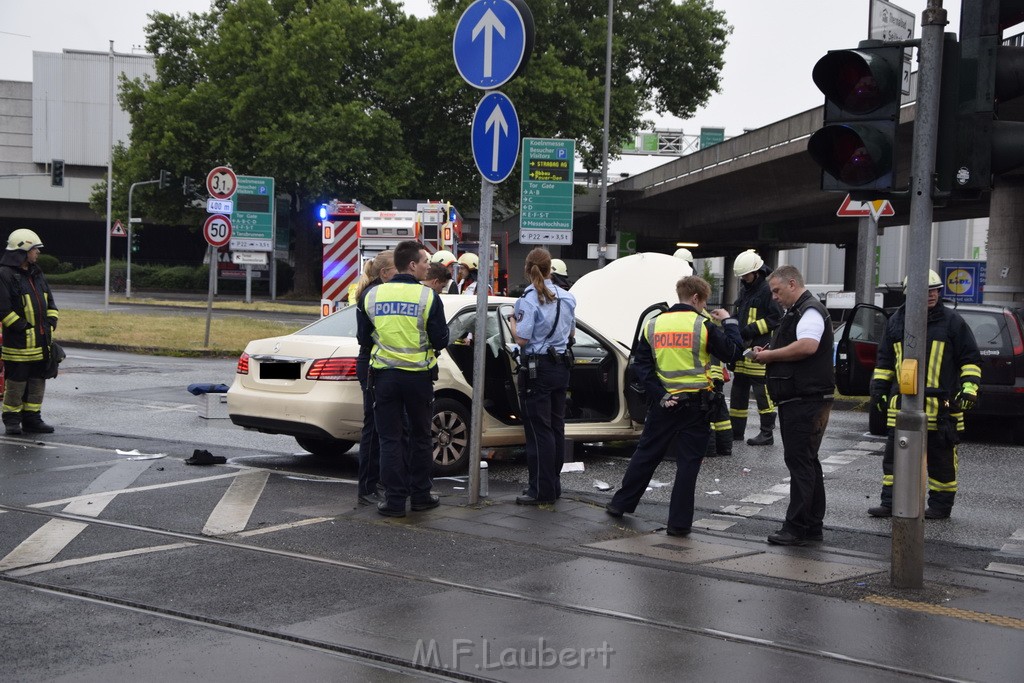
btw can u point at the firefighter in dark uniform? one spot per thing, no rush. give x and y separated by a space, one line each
758 315
405 323
543 324
672 358
801 381
952 376
29 318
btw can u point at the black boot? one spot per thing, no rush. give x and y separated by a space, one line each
12 423
723 442
33 423
762 439
739 425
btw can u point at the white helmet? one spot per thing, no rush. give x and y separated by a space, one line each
445 258
934 281
23 239
470 260
747 262
684 253
558 267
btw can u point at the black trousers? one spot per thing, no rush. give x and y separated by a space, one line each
803 427
739 400
369 441
404 467
943 463
682 432
543 403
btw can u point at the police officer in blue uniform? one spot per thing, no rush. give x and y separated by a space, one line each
543 324
405 323
672 360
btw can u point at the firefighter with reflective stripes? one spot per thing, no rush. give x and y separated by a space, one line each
758 315
952 376
404 322
29 318
672 361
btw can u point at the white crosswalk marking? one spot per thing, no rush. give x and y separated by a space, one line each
56 534
236 505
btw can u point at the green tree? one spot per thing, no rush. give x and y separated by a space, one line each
355 99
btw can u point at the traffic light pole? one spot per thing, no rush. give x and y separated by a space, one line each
907 562
128 267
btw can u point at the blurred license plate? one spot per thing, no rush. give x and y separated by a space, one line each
280 370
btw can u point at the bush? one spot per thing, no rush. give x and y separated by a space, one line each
48 263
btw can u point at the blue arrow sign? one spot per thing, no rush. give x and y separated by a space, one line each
489 43
495 137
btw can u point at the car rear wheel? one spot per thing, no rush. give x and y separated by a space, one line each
450 431
324 448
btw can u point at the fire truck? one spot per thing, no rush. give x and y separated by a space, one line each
352 234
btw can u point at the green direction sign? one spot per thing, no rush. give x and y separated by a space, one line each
252 217
711 136
545 215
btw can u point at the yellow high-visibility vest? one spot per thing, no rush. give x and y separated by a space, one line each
399 312
679 342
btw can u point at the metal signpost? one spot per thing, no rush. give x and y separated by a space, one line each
868 214
491 40
547 191
217 231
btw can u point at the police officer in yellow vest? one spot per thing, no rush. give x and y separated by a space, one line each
672 360
405 323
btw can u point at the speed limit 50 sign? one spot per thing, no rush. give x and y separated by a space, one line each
217 230
221 182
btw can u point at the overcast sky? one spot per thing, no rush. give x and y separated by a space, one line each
767 73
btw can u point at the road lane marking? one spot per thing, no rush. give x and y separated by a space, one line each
236 505
1005 568
46 542
97 558
137 489
284 527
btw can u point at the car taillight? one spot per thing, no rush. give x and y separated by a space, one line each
243 365
334 369
1016 335
865 354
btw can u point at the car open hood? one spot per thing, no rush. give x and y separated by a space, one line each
612 298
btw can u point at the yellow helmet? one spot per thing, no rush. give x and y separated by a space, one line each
934 281
558 267
470 260
445 258
23 239
747 262
684 253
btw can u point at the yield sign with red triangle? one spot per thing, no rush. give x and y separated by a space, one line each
876 208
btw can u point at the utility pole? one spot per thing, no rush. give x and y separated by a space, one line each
911 436
602 220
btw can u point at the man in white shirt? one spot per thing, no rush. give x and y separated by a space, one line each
801 381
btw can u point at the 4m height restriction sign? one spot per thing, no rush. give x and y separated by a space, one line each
545 215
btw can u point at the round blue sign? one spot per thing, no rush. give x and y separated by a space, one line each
495 137
489 43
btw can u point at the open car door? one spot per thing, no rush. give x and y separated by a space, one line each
857 349
636 395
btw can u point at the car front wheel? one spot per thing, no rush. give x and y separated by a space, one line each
450 431
324 448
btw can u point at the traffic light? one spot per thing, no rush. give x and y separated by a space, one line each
856 146
135 242
57 173
975 143
188 186
165 180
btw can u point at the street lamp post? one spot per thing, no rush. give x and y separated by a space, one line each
602 224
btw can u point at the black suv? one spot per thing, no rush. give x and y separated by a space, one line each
999 332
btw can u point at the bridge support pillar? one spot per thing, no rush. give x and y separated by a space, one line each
1005 269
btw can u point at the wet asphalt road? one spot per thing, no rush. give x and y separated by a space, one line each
264 567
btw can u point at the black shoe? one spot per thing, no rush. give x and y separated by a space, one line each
12 427
370 499
204 457
383 509
677 531
762 439
737 436
814 538
932 513
33 424
613 511
530 500
784 537
428 503
880 511
723 454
